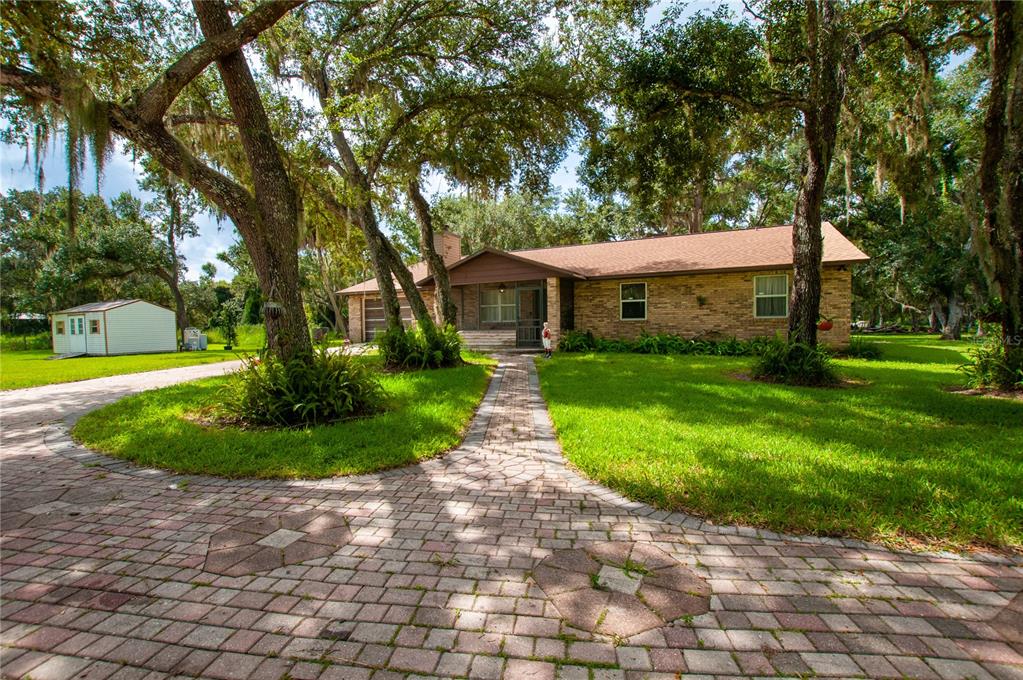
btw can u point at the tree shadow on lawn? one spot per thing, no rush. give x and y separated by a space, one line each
842 459
153 429
895 351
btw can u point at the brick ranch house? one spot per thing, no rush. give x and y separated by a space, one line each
714 285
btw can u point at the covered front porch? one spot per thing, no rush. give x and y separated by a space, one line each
503 301
502 314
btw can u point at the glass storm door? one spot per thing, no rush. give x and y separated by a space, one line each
530 313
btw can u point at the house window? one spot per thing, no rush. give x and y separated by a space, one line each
633 301
497 305
94 326
771 296
60 328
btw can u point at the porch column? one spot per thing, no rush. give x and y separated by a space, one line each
554 308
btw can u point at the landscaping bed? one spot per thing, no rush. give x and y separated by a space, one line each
427 413
898 459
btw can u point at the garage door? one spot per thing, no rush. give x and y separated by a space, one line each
373 313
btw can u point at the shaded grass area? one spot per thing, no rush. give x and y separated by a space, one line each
34 368
897 460
427 414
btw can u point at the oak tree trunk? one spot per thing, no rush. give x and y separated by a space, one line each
272 237
180 311
1001 172
820 130
366 220
696 213
446 311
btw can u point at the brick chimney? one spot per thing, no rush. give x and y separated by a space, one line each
448 245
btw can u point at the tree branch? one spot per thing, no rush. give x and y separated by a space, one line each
154 101
199 119
773 100
30 84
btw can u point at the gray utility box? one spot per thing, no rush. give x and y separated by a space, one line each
195 340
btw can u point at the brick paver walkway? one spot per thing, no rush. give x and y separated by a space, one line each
113 571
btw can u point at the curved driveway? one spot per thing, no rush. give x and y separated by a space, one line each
113 571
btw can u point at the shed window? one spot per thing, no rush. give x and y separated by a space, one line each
497 305
94 326
771 296
633 301
60 328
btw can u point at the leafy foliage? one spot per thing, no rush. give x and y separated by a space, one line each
328 387
795 363
227 319
417 349
518 220
989 366
27 341
661 343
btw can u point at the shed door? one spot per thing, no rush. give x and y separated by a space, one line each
76 334
373 311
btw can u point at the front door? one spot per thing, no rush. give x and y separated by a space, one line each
76 334
530 312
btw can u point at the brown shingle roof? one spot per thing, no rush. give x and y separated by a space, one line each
735 250
711 251
419 270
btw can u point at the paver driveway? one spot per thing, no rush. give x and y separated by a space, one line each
427 571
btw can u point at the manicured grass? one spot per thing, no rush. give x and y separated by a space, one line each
428 411
33 368
898 460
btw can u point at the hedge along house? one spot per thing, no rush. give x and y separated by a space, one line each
712 285
114 327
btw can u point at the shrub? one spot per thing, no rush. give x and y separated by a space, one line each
795 363
989 366
862 349
577 341
661 343
15 343
324 389
413 349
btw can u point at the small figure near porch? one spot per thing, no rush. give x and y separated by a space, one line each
547 349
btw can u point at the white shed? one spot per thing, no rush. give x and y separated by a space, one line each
114 327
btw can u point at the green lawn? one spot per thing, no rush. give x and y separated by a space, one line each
428 412
32 368
899 460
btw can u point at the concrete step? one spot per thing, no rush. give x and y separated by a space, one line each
489 341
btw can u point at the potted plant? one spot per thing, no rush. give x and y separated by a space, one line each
825 324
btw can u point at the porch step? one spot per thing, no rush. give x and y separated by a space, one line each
489 340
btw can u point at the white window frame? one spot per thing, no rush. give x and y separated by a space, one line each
501 307
59 327
97 331
622 301
757 296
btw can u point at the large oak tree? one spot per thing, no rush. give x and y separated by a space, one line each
99 68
